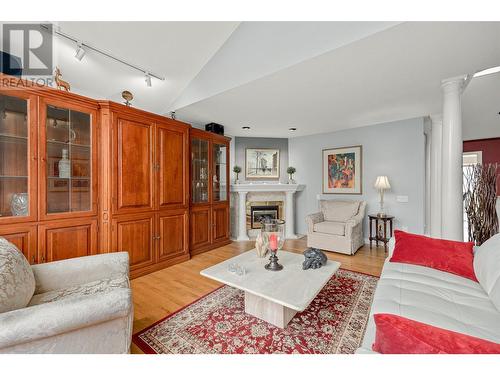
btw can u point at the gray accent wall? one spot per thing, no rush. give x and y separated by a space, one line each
395 149
242 143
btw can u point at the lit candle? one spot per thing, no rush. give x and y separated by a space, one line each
273 242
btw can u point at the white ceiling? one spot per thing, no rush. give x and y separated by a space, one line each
174 50
390 75
315 76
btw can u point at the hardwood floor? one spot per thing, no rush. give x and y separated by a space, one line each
160 293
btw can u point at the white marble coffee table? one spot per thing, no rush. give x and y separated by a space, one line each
274 296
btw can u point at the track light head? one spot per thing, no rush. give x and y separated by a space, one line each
148 80
80 52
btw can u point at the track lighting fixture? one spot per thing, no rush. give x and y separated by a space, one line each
80 52
148 80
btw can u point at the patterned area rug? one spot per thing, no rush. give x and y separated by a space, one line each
334 322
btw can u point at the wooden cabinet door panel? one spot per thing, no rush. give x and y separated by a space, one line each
136 235
67 239
201 224
220 217
24 237
173 233
134 166
173 168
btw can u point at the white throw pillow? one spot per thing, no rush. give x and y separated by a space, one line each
487 263
17 282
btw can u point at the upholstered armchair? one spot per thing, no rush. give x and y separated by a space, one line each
337 227
80 305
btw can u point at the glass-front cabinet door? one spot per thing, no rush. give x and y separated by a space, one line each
69 160
219 172
17 159
200 170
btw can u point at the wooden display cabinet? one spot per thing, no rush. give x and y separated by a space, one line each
209 191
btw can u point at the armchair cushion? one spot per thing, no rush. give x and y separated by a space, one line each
17 283
330 227
99 286
339 211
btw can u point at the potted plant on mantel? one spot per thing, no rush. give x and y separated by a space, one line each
237 170
291 171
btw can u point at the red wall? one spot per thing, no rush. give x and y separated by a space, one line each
491 152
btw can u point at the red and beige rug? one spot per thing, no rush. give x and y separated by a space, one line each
334 322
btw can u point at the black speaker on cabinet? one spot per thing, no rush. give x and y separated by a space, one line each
215 128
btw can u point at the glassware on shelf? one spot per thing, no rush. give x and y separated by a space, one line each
273 231
19 204
64 165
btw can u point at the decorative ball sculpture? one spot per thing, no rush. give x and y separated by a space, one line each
315 258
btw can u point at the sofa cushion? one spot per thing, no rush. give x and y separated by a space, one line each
17 282
398 335
434 297
330 227
448 256
99 286
487 263
339 210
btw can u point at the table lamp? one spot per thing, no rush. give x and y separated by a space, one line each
382 184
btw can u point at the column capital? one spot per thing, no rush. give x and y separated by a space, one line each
453 84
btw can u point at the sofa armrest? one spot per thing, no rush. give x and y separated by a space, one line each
54 318
78 271
314 219
352 224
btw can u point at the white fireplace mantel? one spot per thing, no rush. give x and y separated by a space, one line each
243 189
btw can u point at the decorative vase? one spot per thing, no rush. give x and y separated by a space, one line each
291 181
19 204
64 165
261 246
273 231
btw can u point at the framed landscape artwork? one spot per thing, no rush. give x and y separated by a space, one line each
342 170
262 163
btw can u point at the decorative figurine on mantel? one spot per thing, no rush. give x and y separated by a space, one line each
237 170
61 85
291 171
315 258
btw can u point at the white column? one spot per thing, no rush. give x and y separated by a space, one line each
242 216
451 173
289 215
435 175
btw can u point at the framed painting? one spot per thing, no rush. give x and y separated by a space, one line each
262 163
342 170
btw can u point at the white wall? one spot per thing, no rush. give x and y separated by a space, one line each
395 149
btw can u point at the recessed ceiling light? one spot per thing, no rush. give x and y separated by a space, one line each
292 129
245 127
485 72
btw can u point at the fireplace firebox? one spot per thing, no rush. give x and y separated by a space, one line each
259 213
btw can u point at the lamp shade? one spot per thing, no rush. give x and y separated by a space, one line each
382 183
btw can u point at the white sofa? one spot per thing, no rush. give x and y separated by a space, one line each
441 299
337 227
80 305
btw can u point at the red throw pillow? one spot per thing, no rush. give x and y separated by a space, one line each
398 335
448 256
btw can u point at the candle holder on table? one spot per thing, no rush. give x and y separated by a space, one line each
273 231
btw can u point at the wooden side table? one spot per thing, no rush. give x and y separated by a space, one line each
377 237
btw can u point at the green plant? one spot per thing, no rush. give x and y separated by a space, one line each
291 170
237 169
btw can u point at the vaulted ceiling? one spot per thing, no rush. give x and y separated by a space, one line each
313 76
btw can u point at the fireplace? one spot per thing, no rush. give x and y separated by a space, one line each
257 211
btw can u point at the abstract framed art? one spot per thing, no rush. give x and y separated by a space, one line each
342 172
262 163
